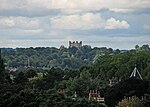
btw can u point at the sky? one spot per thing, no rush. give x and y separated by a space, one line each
117 24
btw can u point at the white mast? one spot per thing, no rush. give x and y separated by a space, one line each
136 74
28 62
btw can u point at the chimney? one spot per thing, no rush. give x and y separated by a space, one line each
96 91
90 94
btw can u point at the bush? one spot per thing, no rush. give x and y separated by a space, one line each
131 102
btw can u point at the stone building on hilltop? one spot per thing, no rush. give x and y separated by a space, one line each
75 44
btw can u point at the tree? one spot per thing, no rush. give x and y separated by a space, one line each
131 102
128 87
72 50
117 51
147 99
2 69
145 48
31 73
50 79
20 78
137 47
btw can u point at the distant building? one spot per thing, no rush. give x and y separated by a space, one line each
136 74
75 44
95 95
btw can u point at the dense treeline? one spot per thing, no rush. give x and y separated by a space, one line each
35 87
127 88
121 65
36 98
27 89
48 57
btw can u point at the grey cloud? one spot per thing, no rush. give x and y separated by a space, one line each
142 11
135 11
20 35
30 13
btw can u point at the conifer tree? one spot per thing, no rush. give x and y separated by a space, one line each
2 68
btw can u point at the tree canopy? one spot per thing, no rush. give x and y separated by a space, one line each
126 88
43 77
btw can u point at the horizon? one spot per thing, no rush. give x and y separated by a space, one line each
68 47
52 23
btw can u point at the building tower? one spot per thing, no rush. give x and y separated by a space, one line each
75 44
94 95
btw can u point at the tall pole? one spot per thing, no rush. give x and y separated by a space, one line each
28 62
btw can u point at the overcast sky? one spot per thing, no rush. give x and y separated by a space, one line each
112 23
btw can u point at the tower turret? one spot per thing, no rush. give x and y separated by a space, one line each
76 44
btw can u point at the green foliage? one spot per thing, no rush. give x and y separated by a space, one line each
50 79
142 48
4 76
36 98
147 99
129 87
2 69
121 65
52 57
20 78
131 102
36 86
30 73
82 83
145 48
